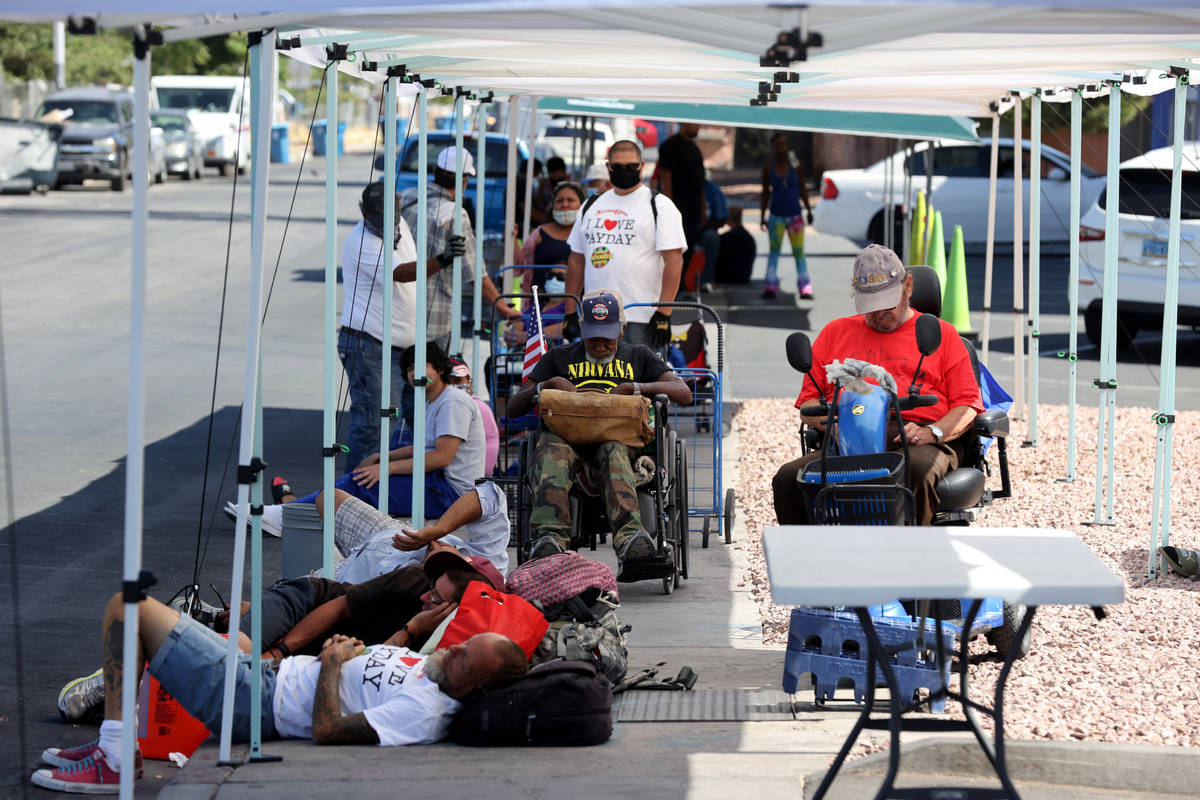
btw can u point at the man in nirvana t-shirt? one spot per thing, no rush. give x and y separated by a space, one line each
602 362
631 241
883 332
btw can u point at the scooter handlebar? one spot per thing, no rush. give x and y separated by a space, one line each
906 403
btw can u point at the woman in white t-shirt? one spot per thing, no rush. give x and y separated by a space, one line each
630 240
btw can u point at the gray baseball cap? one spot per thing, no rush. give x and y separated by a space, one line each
878 279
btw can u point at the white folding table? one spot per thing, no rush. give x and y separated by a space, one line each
864 565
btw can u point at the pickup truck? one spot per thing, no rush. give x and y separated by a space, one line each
496 176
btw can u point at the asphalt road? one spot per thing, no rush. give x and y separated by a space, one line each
64 297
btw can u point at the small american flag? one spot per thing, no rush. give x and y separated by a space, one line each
535 342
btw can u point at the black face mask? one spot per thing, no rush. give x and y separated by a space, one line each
625 176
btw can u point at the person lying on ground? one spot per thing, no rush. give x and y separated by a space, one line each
602 362
349 694
403 607
455 449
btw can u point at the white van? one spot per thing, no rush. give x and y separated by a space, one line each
216 108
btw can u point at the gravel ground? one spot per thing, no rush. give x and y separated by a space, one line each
1133 677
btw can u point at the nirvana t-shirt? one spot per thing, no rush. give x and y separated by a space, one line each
633 363
621 246
387 684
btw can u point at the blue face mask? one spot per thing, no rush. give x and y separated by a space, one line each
592 191
555 286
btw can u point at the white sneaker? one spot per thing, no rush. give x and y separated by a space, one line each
272 518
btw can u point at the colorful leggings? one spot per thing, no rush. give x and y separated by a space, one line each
794 227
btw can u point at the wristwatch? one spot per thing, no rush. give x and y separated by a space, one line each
937 433
637 388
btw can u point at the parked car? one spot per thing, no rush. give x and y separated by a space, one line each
217 112
184 151
97 134
495 172
852 200
1142 229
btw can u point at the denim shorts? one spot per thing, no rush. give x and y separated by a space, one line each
190 665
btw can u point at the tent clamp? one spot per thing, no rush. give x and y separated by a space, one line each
336 52
256 511
787 77
81 26
790 46
143 39
1182 74
334 450
368 66
480 333
447 91
486 98
1068 356
290 43
389 413
1136 80
1101 383
397 71
1162 418
419 382
135 591
248 473
459 91
768 87
754 101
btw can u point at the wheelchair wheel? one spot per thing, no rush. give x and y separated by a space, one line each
729 515
681 508
708 522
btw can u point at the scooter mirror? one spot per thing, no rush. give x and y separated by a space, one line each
799 352
929 334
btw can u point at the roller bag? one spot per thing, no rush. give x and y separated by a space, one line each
556 704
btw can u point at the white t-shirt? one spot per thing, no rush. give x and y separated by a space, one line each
388 684
622 247
363 277
454 413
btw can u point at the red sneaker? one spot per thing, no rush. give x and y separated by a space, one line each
59 757
89 774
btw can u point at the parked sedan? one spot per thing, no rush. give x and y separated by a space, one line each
1142 236
184 147
852 200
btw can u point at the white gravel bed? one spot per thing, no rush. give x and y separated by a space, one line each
1133 677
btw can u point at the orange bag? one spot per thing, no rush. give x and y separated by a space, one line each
485 610
164 727
587 418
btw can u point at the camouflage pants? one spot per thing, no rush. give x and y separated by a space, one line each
555 464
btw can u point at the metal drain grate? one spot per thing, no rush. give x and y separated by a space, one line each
705 705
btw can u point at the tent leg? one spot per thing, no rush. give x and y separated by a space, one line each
134 580
1073 279
1035 261
422 322
389 268
331 321
1160 516
249 466
480 262
1107 384
986 332
1018 407
456 276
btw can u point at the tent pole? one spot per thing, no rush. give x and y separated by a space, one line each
510 190
930 158
331 320
986 332
532 132
889 182
1018 406
249 465
422 322
386 296
256 557
1160 515
480 263
1107 406
906 245
1035 260
134 581
1073 278
456 287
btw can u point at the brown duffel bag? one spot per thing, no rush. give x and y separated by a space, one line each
584 418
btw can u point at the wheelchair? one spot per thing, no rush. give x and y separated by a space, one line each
662 502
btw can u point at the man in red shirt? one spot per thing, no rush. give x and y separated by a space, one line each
883 332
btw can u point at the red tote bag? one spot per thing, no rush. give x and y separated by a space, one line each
485 610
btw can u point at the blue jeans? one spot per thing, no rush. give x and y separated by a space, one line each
439 493
710 242
190 665
362 358
639 333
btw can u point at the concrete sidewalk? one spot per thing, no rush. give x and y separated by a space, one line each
712 625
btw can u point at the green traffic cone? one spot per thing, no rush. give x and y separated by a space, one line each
918 232
935 256
955 307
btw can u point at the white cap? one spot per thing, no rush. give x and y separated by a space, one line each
448 160
596 172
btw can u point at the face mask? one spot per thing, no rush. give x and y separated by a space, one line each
566 217
556 285
625 176
592 192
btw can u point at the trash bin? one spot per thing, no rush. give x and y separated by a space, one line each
319 141
279 143
401 129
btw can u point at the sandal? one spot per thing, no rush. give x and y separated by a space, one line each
1181 561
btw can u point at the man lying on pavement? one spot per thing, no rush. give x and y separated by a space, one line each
350 694
402 607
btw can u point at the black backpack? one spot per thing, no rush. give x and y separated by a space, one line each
558 703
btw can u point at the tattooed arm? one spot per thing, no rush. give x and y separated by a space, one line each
330 726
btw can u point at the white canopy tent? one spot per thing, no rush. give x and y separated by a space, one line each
938 59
